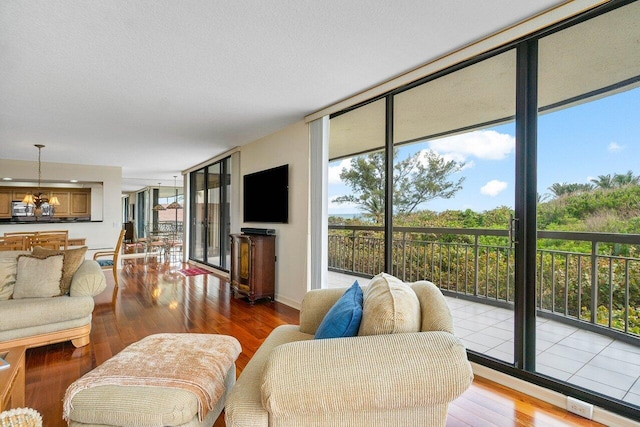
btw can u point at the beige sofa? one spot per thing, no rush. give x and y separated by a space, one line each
34 322
398 379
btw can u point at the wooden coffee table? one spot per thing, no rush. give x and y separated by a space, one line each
12 379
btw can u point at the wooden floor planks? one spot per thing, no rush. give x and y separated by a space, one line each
152 300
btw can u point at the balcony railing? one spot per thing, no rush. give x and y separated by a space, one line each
479 264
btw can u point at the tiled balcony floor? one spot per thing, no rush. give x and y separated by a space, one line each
580 357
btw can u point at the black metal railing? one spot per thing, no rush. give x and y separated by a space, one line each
479 264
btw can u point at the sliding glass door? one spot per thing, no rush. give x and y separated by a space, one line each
140 212
514 186
589 209
209 214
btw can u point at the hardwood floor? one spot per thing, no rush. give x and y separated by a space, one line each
155 300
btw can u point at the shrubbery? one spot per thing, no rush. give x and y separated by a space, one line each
445 259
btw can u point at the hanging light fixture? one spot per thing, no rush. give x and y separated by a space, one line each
39 199
175 204
159 207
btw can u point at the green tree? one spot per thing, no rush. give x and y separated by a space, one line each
603 181
617 180
562 189
622 179
417 179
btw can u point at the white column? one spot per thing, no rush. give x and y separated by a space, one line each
318 202
234 197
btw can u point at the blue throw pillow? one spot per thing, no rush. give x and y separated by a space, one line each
343 319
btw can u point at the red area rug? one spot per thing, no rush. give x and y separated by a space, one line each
193 271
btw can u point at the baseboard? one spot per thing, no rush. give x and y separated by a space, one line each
225 275
286 301
554 398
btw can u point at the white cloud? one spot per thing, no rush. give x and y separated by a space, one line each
334 171
451 156
614 147
493 188
483 144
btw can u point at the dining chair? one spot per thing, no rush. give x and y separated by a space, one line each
110 258
24 237
13 243
54 239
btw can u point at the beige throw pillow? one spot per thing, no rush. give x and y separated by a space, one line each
38 277
8 265
390 306
70 264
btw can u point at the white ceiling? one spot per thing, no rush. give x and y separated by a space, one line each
157 86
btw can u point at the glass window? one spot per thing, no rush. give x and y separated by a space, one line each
588 180
455 170
463 166
356 191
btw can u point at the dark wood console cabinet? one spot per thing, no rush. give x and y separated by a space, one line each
253 266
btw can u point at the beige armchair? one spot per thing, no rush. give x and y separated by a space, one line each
379 380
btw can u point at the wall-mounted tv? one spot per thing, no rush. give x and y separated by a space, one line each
266 195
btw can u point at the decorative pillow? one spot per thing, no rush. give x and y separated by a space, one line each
389 306
38 277
72 258
8 264
343 319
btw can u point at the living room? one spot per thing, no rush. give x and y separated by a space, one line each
282 141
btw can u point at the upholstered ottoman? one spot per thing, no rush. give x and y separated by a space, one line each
161 380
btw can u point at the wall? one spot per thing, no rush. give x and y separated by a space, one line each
290 145
99 234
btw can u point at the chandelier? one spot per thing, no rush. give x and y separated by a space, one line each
39 199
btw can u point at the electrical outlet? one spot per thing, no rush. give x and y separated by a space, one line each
579 407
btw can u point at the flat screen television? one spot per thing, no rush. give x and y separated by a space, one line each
266 195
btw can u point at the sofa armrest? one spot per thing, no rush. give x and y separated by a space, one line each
365 373
88 280
315 305
436 315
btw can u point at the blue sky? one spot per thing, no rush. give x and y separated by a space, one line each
574 145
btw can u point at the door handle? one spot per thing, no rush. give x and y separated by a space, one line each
513 230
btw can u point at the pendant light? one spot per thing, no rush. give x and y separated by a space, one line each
159 207
39 199
175 204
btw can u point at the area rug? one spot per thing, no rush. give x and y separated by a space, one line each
193 271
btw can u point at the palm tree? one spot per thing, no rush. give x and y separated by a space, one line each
617 180
561 189
603 181
541 198
628 178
